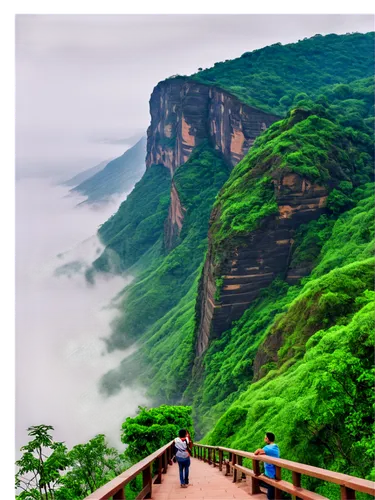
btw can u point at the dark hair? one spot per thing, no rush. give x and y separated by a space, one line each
182 433
271 436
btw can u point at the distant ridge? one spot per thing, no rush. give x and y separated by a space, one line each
117 177
86 174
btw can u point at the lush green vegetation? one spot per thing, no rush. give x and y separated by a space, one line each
313 146
47 470
272 78
320 406
153 428
314 386
164 283
328 296
138 223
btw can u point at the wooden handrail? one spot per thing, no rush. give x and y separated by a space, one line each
115 488
349 484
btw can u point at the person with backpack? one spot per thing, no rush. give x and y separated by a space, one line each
182 448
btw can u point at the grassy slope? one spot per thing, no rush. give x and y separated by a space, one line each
320 406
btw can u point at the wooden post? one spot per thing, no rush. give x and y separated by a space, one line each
347 493
209 456
214 455
296 479
255 488
220 460
165 462
119 495
147 480
160 470
227 465
234 461
241 475
278 493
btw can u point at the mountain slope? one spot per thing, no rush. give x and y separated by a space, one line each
86 174
118 176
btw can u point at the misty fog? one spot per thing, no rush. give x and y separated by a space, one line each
60 319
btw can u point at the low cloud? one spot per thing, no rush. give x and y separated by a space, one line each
61 320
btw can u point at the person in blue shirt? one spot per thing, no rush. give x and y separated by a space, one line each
272 450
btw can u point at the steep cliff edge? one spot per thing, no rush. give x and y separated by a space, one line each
184 114
254 262
284 182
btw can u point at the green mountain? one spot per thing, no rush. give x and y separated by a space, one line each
251 240
301 67
117 177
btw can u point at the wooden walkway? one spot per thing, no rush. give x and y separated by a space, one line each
206 483
161 480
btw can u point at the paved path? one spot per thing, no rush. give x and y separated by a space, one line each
207 482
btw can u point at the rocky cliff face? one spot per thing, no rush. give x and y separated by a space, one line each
173 223
185 113
227 290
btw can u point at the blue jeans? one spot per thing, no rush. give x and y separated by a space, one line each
184 464
270 490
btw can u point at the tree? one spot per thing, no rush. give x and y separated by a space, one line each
87 467
338 201
40 465
91 465
152 428
286 101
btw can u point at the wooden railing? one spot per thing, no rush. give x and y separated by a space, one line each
215 455
116 488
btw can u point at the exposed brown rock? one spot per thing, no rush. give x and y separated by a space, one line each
173 224
262 255
187 138
185 113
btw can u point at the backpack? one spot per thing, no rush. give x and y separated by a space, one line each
188 444
188 447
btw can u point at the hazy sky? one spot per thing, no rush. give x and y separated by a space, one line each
81 79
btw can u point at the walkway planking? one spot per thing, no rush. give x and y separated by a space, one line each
207 482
